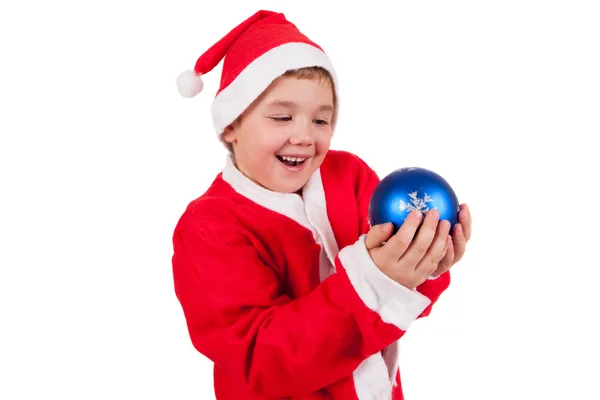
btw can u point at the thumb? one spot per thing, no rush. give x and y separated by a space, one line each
377 235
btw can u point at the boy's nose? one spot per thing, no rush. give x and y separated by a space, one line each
302 136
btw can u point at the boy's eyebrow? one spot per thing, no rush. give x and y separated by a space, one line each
283 103
291 104
326 107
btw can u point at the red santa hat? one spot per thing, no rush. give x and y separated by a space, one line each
255 53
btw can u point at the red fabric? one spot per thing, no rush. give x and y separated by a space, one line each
433 289
213 56
398 394
258 34
248 281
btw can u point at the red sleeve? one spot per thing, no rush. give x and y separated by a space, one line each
239 316
367 182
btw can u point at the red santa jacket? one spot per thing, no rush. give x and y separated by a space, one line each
279 291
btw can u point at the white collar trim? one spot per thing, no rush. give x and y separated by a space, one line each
309 210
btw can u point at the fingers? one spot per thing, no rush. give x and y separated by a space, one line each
448 259
436 251
464 218
397 245
460 242
377 235
427 232
461 233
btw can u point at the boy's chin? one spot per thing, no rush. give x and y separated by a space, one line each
297 189
287 186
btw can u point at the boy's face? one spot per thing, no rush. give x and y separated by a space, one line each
292 119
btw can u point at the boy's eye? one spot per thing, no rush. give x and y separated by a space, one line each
321 122
281 119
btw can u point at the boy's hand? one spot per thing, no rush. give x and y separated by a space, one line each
461 234
407 259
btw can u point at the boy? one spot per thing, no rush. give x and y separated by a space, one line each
283 283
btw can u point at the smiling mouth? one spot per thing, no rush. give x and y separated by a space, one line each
292 161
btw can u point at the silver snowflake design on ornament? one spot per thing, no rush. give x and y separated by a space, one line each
406 169
416 203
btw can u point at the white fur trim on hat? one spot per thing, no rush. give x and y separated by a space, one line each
231 102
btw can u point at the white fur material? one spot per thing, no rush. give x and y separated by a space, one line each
231 102
189 83
288 204
315 205
396 304
370 379
308 210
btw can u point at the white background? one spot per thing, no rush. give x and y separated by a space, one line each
99 156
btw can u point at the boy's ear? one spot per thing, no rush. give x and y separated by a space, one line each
229 134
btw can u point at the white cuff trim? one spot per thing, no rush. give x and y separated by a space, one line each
396 304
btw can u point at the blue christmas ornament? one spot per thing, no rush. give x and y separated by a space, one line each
408 189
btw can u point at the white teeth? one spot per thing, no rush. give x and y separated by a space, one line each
293 159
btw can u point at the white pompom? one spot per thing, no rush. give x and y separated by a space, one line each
189 83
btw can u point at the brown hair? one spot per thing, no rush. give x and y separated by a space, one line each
316 73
